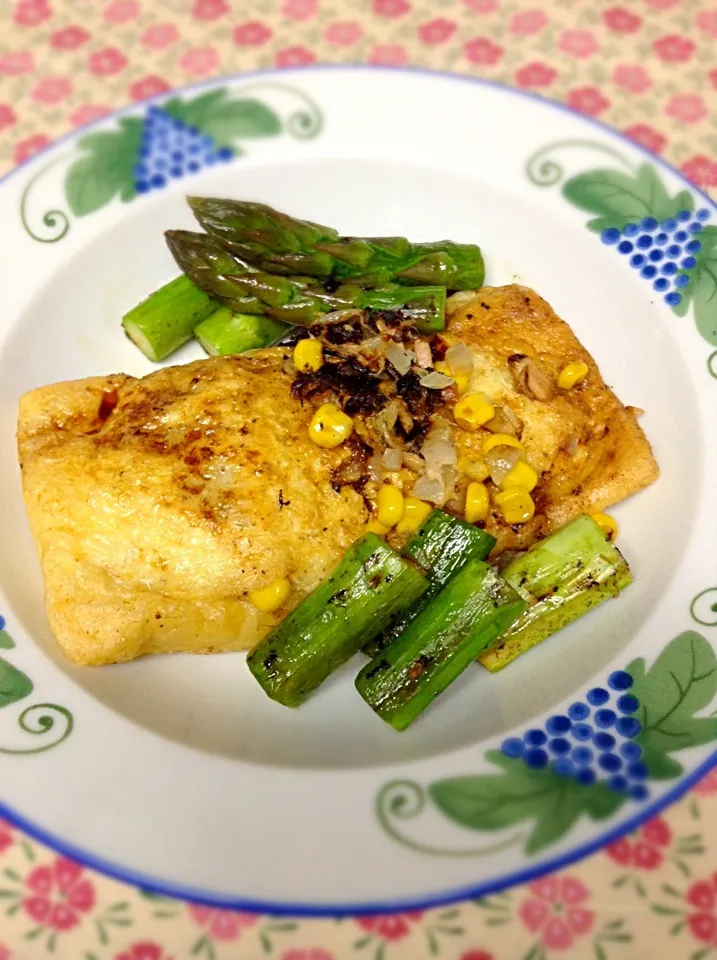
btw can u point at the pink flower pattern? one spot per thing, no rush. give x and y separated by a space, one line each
17 62
633 78
52 90
437 31
121 11
311 954
344 33
481 50
299 9
7 119
31 13
391 8
701 901
707 20
620 20
482 6
528 22
143 950
553 909
686 107
199 61
674 49
390 927
587 100
69 39
88 113
222 925
29 147
210 9
702 171
107 62
388 55
160 35
647 137
149 86
294 57
535 75
58 895
253 33
580 44
646 850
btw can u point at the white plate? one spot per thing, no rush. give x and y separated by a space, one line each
177 773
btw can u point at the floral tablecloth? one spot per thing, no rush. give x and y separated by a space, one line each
648 68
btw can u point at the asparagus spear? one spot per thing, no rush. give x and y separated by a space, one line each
370 584
471 610
441 546
224 332
562 577
167 318
278 243
245 289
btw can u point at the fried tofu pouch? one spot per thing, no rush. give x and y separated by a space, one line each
587 448
157 504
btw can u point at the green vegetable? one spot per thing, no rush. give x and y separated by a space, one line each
224 332
297 300
562 577
168 318
441 546
471 610
371 583
280 244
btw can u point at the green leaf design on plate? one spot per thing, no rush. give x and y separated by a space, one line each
14 684
6 641
701 291
106 169
520 793
619 198
680 683
223 119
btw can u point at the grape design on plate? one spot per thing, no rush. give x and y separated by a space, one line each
594 741
663 252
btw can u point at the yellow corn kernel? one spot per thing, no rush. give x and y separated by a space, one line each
499 440
415 512
476 502
522 475
309 354
572 374
268 599
475 469
330 426
375 527
606 523
473 411
440 366
390 505
463 381
515 504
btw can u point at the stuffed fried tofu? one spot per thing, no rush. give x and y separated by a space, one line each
166 510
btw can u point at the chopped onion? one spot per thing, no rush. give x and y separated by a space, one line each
399 358
341 316
438 453
505 421
430 487
375 468
571 445
529 378
424 357
435 381
459 359
501 460
392 459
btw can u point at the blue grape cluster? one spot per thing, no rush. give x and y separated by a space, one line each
661 251
594 741
171 149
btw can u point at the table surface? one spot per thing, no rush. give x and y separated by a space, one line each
648 68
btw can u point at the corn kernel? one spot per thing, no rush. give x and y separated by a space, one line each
515 504
473 411
606 523
522 475
440 366
475 469
499 440
308 354
375 527
415 512
572 374
463 381
390 505
268 599
330 426
476 502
